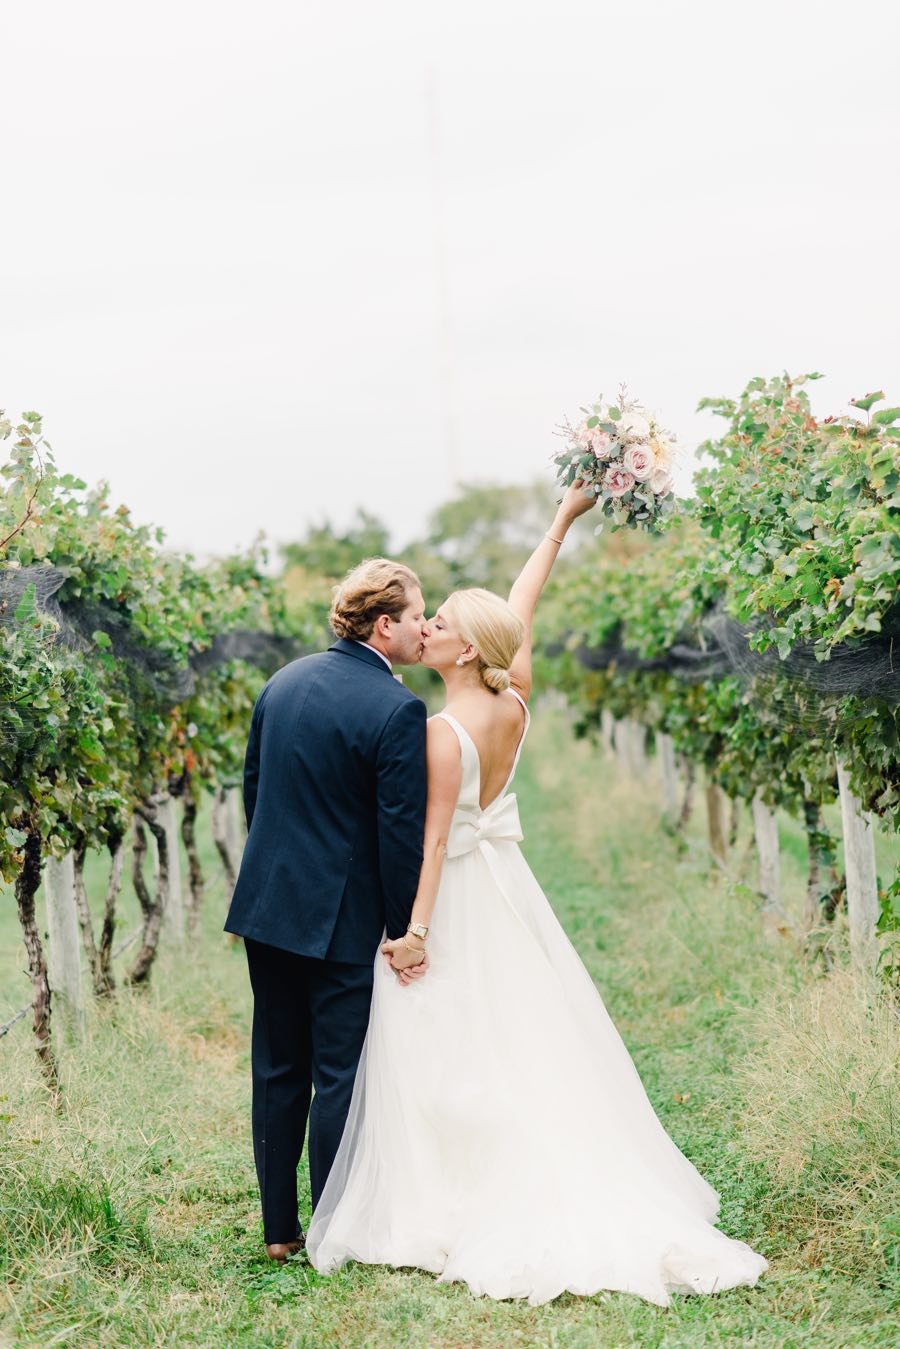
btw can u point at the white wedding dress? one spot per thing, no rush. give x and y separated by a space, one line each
499 1133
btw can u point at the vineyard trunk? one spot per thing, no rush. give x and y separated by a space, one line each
152 907
715 816
117 863
822 879
735 823
101 986
27 882
195 870
220 838
687 802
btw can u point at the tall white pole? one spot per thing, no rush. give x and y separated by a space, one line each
859 866
607 730
234 825
173 918
622 741
665 747
63 938
765 828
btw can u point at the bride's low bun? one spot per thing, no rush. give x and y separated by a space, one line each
487 622
495 678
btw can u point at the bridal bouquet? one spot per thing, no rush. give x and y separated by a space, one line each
624 457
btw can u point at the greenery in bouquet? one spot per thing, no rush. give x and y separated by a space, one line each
624 457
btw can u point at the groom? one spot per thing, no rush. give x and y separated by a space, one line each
334 794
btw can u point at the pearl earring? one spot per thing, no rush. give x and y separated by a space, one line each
460 661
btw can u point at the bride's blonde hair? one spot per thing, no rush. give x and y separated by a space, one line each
487 622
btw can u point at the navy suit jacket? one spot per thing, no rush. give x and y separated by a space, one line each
334 794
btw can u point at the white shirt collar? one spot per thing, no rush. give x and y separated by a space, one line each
377 653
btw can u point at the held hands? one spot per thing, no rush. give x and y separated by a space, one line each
405 958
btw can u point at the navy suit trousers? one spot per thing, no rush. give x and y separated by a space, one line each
309 1022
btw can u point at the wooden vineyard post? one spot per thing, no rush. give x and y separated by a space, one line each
637 740
234 825
859 865
622 744
173 915
765 828
607 730
63 939
666 749
717 821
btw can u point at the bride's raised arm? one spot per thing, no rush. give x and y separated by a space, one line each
532 578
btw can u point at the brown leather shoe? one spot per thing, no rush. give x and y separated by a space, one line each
280 1250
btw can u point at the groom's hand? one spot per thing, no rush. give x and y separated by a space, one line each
409 976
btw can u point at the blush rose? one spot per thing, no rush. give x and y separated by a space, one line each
618 481
639 460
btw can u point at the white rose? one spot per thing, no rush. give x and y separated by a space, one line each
660 481
634 426
663 451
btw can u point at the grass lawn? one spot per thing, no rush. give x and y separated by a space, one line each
130 1218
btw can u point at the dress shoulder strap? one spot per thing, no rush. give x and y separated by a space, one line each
451 721
469 761
518 697
462 734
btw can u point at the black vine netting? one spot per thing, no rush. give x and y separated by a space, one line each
864 669
798 688
151 673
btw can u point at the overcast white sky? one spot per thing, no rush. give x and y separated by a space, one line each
264 262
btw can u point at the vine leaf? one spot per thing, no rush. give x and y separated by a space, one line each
866 403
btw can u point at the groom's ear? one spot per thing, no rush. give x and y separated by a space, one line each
382 626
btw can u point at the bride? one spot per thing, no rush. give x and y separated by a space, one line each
499 1133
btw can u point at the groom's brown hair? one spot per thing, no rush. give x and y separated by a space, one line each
374 587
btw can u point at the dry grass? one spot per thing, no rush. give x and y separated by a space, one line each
821 1104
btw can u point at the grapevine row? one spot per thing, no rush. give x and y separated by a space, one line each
754 638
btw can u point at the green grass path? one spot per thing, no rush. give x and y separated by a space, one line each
131 1218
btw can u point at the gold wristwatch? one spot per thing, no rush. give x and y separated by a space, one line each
417 930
